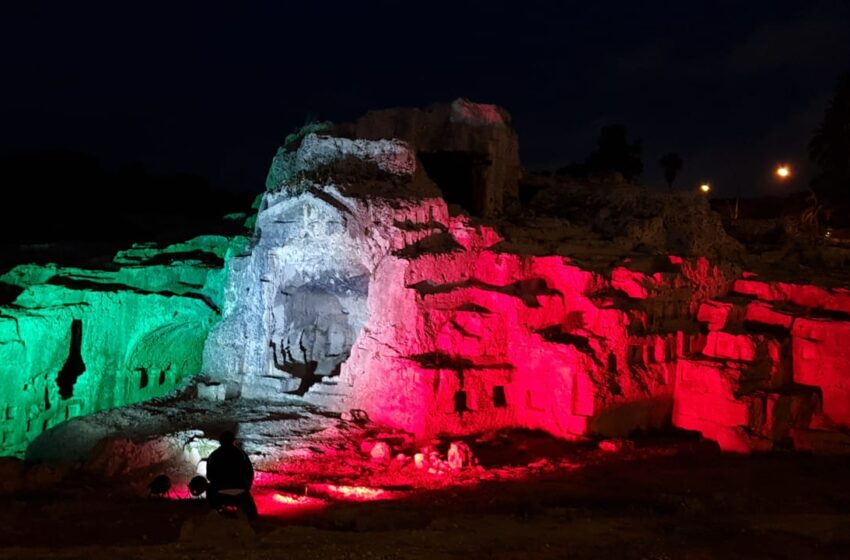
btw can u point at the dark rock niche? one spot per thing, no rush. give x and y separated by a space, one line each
315 326
461 177
74 365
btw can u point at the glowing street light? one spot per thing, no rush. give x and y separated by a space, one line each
705 188
783 171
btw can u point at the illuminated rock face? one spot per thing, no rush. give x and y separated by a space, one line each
77 341
297 302
363 290
768 373
386 303
480 339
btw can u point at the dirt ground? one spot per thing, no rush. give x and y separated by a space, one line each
533 497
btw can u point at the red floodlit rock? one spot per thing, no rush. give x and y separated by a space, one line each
803 295
705 401
714 314
381 452
821 351
763 314
615 445
705 391
460 456
633 284
434 324
725 403
725 346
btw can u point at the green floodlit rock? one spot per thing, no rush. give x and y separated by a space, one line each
76 341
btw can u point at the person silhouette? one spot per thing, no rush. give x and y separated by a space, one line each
231 475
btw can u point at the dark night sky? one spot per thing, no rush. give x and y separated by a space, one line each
198 88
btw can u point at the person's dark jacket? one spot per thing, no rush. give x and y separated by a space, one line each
229 467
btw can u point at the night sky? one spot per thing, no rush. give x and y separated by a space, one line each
212 90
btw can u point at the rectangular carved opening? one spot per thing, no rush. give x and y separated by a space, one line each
460 402
499 398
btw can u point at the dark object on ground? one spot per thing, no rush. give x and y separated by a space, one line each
230 476
198 486
160 486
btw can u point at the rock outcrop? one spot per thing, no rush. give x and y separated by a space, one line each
470 150
363 291
598 311
75 341
772 369
636 219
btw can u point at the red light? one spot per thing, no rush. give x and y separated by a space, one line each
287 499
279 504
351 493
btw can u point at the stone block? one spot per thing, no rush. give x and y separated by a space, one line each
211 391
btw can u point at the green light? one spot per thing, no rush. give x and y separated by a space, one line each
141 327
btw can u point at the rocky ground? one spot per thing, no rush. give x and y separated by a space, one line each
346 489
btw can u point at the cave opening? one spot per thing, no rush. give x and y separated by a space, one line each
461 176
74 365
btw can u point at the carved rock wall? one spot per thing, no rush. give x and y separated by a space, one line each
773 369
75 341
364 292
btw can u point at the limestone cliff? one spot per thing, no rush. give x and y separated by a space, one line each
74 341
363 290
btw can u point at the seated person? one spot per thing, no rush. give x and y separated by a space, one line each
230 476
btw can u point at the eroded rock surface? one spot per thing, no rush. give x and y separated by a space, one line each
74 341
599 311
363 290
469 150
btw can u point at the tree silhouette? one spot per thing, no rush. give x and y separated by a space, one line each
672 164
614 153
830 146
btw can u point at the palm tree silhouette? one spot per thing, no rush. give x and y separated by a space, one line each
671 163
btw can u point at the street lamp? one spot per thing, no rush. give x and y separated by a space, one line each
705 188
783 172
